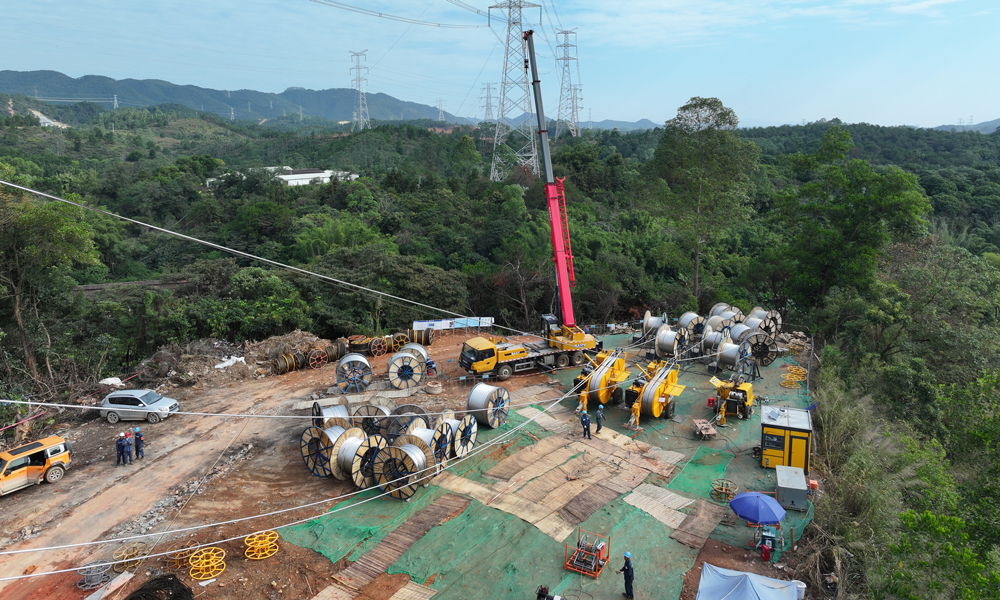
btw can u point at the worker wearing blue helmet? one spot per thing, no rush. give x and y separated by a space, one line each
629 573
600 417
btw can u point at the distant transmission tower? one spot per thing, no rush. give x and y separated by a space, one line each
441 110
487 99
116 101
568 116
575 99
514 142
361 120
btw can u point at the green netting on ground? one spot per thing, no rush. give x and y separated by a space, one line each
697 475
740 535
474 467
485 553
357 529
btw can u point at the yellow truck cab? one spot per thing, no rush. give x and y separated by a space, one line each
30 464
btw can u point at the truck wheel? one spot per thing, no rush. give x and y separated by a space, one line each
504 372
112 418
562 361
54 474
152 417
577 358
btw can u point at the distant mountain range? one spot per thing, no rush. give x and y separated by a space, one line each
336 104
984 127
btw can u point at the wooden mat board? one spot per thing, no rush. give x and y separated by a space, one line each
507 468
530 390
668 516
628 478
530 512
461 485
555 527
335 592
587 503
545 421
546 463
564 493
393 546
538 488
666 456
699 524
413 591
664 496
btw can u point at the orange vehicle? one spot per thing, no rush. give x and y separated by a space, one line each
30 464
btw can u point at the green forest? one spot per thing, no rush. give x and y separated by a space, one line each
882 242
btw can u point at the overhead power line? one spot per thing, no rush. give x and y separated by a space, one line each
382 15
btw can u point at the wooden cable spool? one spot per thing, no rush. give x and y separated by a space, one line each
318 358
416 350
361 465
711 343
693 324
399 340
370 417
718 309
406 369
439 440
401 467
327 416
317 447
762 347
424 337
651 322
668 342
401 418
463 435
488 404
739 331
354 373
377 346
734 314
344 451
719 323
729 356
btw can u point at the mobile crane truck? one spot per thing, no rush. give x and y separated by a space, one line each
562 343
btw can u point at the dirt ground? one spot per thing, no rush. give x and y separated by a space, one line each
197 470
728 557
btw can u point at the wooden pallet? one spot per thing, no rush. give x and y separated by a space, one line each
393 546
586 503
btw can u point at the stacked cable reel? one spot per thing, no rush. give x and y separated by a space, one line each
261 545
370 416
489 404
207 563
333 446
464 432
129 556
793 377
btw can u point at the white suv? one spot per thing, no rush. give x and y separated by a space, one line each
136 405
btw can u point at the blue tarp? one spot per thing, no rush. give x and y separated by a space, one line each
718 583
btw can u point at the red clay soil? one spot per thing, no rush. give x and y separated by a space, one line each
727 557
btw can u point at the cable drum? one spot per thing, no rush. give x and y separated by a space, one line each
719 308
398 468
771 318
463 435
327 416
406 370
651 392
712 341
354 373
754 322
735 315
488 404
439 440
316 447
370 418
729 356
341 458
416 350
402 418
693 324
363 466
762 347
739 331
652 323
719 323
668 341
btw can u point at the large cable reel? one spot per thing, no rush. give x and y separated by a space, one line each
354 373
668 342
337 414
402 418
663 384
371 416
761 347
317 446
489 404
600 387
720 324
718 309
711 343
734 314
693 324
402 466
464 432
651 322
406 370
771 318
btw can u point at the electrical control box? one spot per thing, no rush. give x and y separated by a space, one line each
793 488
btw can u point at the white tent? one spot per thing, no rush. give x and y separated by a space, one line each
718 584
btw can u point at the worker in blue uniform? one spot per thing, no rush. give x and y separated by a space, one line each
629 573
585 421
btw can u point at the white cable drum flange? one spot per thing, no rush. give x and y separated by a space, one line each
729 356
343 451
370 417
324 415
693 324
719 308
446 415
711 342
463 435
354 373
668 341
489 404
651 322
416 350
406 370
363 467
734 314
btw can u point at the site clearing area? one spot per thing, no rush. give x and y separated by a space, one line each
496 523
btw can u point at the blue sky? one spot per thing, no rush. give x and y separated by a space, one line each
890 62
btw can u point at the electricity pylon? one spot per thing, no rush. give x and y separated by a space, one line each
487 99
361 120
568 115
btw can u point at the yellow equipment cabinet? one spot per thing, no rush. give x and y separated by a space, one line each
785 437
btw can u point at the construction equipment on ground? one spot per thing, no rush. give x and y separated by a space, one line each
600 381
488 404
655 389
733 397
589 555
563 342
542 593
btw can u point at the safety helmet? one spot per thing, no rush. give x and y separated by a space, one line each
137 430
584 412
628 555
601 406
122 434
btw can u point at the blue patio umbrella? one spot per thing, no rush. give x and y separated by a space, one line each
757 508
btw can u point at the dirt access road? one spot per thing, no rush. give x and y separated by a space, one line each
97 500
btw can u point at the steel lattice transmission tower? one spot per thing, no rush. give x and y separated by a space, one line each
514 143
487 99
361 120
568 115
